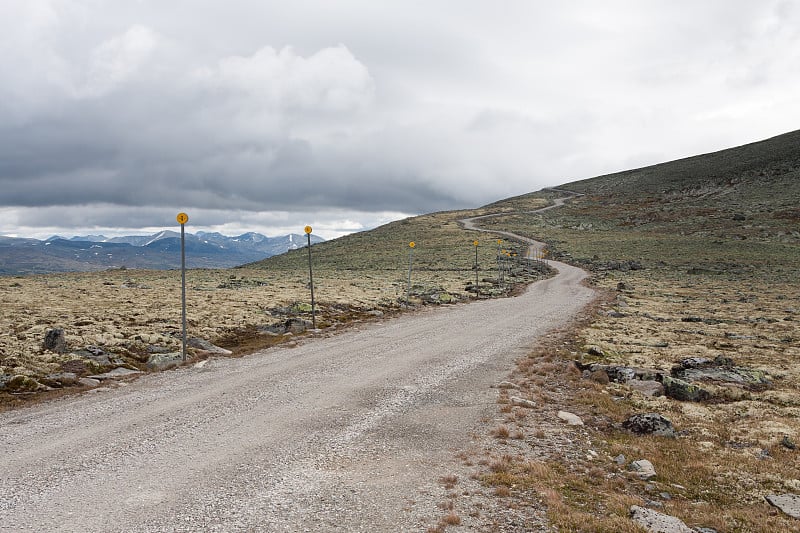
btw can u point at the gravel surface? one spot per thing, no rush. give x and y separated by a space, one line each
349 432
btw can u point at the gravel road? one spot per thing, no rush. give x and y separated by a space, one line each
348 432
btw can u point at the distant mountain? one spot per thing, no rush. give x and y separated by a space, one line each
158 251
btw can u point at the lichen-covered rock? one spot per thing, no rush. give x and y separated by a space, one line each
55 340
163 361
684 391
20 383
649 424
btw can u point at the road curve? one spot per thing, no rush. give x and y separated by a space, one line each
348 432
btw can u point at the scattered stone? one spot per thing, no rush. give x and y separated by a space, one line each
20 384
89 382
597 352
615 314
117 373
570 418
60 379
665 495
522 402
506 385
55 341
648 388
644 469
622 286
620 459
684 391
656 522
296 326
375 313
786 442
649 424
163 361
705 530
739 217
204 347
721 369
788 503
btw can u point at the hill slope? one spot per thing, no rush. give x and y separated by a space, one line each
735 211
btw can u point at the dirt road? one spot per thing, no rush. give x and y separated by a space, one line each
343 433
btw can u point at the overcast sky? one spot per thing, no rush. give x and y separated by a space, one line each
254 115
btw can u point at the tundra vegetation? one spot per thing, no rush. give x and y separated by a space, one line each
696 262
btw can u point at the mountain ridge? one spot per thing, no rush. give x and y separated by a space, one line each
158 251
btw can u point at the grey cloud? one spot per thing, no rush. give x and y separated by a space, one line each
368 106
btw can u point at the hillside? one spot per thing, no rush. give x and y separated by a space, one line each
733 212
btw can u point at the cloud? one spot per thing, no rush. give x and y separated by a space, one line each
360 107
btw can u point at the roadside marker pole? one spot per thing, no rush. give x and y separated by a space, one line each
411 246
499 281
307 229
182 219
477 292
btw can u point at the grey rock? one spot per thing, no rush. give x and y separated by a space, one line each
643 468
116 374
788 443
60 379
683 390
506 385
649 424
205 346
648 388
597 352
620 459
55 340
89 382
522 402
20 384
570 418
788 503
163 361
705 530
296 326
656 522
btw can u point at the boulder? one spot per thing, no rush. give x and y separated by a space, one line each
684 391
656 522
644 469
722 370
204 346
649 424
163 361
89 382
648 388
570 418
19 383
117 373
55 340
60 379
788 503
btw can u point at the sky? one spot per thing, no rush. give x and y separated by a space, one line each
255 115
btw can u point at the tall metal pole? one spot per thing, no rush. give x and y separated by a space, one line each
183 219
410 259
499 281
311 280
477 292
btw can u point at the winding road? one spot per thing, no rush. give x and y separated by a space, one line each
348 432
